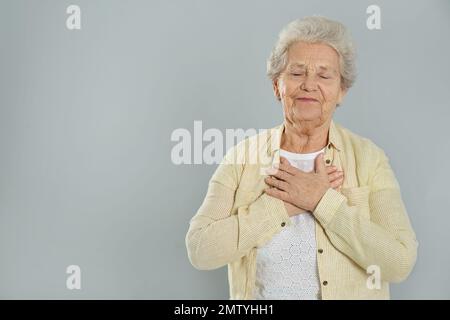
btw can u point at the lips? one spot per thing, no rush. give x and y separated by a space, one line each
307 99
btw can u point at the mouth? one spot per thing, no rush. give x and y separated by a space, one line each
308 100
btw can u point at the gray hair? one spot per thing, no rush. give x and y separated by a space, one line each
315 29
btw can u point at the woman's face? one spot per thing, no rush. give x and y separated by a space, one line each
312 71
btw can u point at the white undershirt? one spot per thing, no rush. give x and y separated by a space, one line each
286 266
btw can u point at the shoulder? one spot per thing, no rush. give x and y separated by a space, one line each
372 163
366 155
247 151
361 146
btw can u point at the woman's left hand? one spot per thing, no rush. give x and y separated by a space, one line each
302 189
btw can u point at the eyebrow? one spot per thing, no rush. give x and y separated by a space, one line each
321 67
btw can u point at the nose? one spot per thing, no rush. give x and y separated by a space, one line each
309 83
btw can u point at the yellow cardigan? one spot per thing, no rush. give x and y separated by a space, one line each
362 224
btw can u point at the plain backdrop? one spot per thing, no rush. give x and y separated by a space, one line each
86 116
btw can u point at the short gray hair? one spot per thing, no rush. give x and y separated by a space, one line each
315 29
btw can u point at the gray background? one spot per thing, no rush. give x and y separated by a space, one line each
86 117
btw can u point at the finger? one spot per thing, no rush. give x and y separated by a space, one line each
279 184
282 175
276 193
287 167
330 169
337 183
319 164
336 178
284 160
335 175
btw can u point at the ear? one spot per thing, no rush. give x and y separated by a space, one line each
276 90
342 93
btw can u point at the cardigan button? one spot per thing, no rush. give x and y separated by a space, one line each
320 250
325 283
283 224
328 161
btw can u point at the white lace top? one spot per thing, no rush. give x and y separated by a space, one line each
286 266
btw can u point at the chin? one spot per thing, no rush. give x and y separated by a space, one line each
312 115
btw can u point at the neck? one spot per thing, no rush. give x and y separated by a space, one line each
301 139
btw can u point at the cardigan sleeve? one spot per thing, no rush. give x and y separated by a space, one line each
218 234
385 238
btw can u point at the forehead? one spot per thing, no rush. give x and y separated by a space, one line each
313 54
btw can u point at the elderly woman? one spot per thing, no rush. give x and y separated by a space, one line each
326 220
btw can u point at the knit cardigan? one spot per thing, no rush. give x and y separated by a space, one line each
360 228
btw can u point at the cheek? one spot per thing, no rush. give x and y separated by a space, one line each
287 90
330 95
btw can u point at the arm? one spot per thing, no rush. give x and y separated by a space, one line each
217 237
385 239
